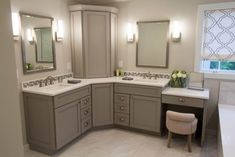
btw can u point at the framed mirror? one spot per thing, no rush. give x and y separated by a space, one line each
37 43
153 44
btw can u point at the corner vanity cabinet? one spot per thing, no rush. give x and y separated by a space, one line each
93 34
54 121
138 107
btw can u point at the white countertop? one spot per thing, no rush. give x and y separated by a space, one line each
52 90
227 129
185 92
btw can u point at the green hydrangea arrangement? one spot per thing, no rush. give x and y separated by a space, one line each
178 79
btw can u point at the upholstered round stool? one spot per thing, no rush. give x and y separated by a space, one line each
181 123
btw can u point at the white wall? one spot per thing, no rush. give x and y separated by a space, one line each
11 141
57 9
181 55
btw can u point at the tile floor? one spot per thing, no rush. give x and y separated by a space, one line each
122 143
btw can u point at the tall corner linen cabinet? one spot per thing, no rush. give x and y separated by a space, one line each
94 38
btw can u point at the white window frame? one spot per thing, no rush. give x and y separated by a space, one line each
199 41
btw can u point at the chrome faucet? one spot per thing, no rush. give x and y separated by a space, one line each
49 80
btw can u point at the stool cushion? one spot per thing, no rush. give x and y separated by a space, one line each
181 123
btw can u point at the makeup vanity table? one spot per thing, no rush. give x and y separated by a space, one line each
193 99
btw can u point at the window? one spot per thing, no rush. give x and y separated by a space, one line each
217 43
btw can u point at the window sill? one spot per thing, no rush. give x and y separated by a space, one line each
219 75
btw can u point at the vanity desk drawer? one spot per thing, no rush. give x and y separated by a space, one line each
122 119
122 108
184 101
143 90
86 112
122 98
86 102
86 124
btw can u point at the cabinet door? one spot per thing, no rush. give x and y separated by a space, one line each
67 120
145 113
39 114
96 33
102 104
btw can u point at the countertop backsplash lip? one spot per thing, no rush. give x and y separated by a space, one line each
35 82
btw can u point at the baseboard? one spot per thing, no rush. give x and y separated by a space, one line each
26 147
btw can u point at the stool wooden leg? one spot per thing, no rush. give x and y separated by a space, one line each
189 143
169 139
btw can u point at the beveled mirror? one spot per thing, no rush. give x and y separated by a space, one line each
153 43
37 43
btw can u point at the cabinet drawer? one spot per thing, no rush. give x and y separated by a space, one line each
122 98
122 108
86 124
86 112
184 101
138 90
86 101
73 95
122 119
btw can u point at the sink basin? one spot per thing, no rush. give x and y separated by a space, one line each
57 86
146 80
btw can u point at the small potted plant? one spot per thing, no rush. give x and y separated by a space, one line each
178 79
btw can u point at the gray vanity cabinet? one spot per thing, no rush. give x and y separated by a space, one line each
67 119
138 106
54 121
39 116
102 104
145 113
93 35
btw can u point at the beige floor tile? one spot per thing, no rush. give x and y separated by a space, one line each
122 143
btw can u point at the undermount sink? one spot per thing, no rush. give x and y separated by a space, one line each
146 80
57 86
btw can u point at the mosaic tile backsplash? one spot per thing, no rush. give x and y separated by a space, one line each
32 83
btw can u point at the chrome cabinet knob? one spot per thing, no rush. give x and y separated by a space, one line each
121 107
86 124
86 112
181 100
122 119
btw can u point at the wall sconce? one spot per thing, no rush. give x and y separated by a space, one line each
130 33
176 31
16 25
30 36
59 31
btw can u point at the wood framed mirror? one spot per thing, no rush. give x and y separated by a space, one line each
153 44
38 52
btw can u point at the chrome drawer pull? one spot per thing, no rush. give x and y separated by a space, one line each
86 112
121 108
86 124
122 119
181 100
122 98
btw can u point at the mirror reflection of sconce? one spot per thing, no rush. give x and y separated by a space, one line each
59 31
130 33
16 26
176 31
30 37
